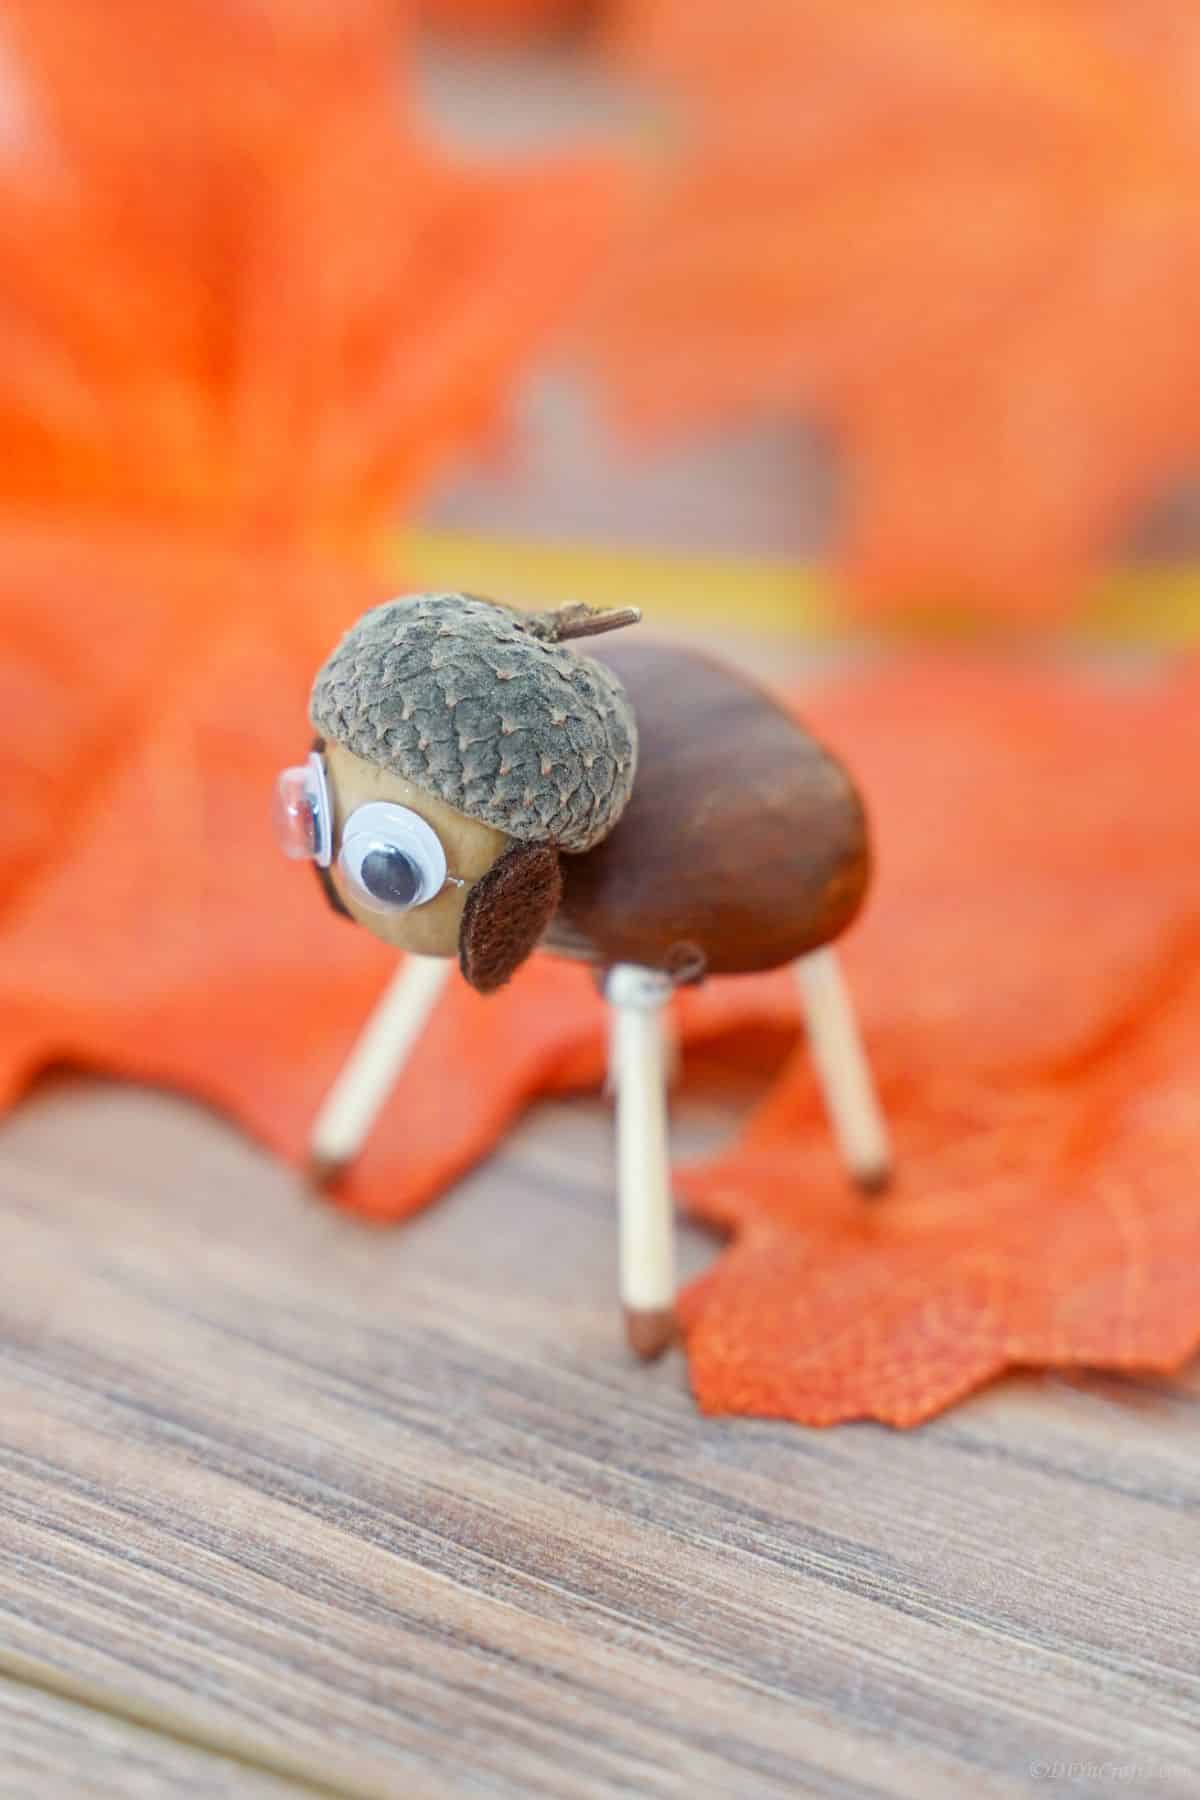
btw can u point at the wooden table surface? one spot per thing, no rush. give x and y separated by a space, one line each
290 1505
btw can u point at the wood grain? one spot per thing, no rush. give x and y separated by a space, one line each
53 1745
395 1512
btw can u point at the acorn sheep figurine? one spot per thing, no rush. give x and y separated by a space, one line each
481 789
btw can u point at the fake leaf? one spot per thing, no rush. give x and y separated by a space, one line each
959 235
246 310
176 482
1029 979
165 939
241 291
1025 974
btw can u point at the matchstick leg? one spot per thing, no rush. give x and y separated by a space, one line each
842 1069
646 1226
672 1052
374 1064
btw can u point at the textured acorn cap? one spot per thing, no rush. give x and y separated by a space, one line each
479 705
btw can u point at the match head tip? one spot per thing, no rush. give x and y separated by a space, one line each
875 1180
322 1172
649 1331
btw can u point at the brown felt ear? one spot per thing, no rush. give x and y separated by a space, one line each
506 913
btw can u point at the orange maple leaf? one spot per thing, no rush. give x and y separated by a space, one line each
957 233
162 937
1026 974
1030 982
1026 977
241 290
245 311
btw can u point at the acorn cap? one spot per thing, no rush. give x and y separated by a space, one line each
487 709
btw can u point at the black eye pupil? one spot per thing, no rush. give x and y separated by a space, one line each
392 876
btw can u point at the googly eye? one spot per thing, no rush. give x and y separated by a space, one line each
303 817
391 858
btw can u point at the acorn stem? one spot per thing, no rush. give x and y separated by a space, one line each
577 620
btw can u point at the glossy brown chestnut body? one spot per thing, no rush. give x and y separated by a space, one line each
744 844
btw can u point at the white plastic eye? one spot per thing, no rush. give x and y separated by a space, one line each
303 816
391 859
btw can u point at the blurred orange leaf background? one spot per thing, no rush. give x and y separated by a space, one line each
960 234
252 306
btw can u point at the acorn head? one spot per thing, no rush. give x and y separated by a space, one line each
489 710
